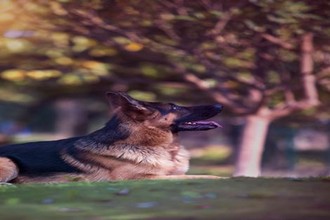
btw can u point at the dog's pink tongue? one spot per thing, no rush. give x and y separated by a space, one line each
206 124
209 123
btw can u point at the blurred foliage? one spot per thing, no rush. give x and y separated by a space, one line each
211 155
230 49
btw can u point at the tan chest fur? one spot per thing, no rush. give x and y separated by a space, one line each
131 162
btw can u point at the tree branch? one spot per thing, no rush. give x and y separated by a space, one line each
277 41
306 65
308 79
223 97
220 25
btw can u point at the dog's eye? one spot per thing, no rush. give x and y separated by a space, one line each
174 107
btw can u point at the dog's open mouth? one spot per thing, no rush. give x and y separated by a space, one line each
196 118
198 125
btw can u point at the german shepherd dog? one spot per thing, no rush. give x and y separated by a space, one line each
139 142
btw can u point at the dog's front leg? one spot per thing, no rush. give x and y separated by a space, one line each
8 170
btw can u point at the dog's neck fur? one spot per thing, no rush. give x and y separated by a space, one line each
115 140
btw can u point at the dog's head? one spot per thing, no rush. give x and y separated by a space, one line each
165 116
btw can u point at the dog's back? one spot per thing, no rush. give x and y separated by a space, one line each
39 158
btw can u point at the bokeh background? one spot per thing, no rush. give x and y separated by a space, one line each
267 62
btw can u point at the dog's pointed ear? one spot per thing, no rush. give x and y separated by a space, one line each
121 99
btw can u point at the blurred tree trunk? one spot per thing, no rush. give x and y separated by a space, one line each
71 118
251 145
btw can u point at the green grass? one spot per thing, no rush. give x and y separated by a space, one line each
234 198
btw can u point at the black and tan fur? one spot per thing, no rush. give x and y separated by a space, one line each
139 142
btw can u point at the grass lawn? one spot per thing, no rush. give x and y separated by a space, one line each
233 198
